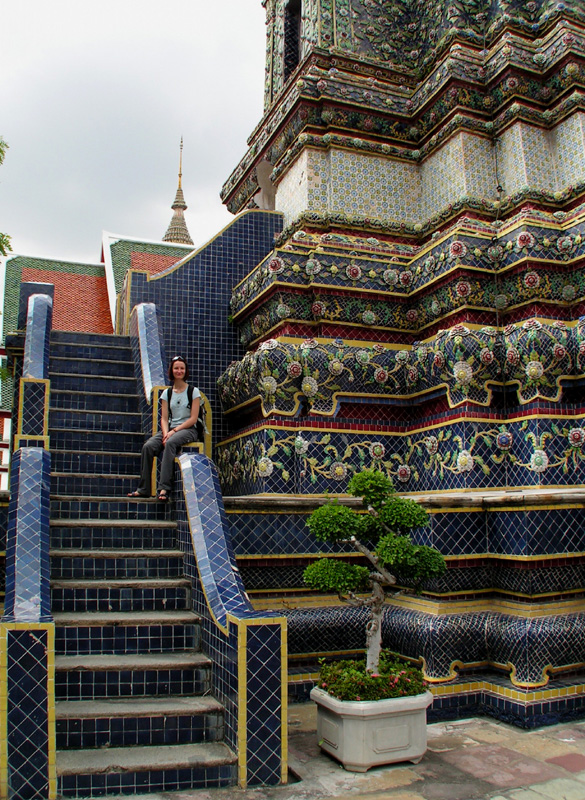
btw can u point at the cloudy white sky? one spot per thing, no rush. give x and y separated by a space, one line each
95 97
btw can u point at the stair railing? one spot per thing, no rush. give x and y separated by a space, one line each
27 631
248 648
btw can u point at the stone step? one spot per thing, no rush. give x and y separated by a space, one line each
74 365
93 401
114 535
83 773
70 563
105 383
118 632
103 351
87 484
84 440
141 594
112 508
135 722
99 463
97 340
95 419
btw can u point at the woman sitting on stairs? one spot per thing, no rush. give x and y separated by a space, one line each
179 413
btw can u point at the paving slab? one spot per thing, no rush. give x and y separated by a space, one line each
501 766
572 762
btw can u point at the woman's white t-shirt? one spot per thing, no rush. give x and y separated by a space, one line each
179 409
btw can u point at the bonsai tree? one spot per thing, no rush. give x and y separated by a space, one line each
382 536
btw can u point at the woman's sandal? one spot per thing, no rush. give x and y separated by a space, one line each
136 494
162 497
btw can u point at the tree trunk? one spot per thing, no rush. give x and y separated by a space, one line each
374 629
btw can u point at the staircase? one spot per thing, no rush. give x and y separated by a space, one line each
134 713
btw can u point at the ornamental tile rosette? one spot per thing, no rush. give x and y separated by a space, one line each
467 362
537 358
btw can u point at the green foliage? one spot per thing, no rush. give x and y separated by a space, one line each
373 486
401 515
333 575
333 522
395 517
349 680
5 245
415 562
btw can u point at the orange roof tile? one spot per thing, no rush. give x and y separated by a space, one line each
151 262
80 303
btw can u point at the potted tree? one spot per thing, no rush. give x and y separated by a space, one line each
374 712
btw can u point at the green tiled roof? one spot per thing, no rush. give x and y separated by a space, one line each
121 255
14 268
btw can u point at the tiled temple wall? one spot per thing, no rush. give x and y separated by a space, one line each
361 185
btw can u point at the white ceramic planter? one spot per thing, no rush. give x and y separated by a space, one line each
367 734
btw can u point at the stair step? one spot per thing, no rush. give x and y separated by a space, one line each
122 583
84 440
138 759
101 676
139 537
95 420
136 722
93 401
105 352
116 564
95 339
111 523
144 707
123 594
112 508
87 484
124 618
120 632
107 384
138 661
82 773
73 365
67 460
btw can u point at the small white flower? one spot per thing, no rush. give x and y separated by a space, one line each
301 445
534 370
265 467
465 461
538 461
309 386
337 471
463 373
268 384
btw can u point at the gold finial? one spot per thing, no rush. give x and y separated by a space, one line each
181 163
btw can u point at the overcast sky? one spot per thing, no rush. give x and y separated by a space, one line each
95 97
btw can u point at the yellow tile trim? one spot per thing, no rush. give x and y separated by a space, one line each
413 432
43 436
51 744
242 705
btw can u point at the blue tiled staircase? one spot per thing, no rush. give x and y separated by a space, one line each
133 709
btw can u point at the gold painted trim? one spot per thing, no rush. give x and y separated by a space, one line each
44 435
51 740
464 418
242 705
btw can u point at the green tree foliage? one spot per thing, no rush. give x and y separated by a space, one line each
5 245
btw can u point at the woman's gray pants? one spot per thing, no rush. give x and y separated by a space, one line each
152 448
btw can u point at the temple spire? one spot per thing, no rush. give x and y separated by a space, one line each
177 231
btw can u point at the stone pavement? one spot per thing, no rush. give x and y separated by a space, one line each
474 759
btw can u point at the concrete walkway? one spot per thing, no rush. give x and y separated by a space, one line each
475 759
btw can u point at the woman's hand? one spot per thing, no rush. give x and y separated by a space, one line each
167 435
